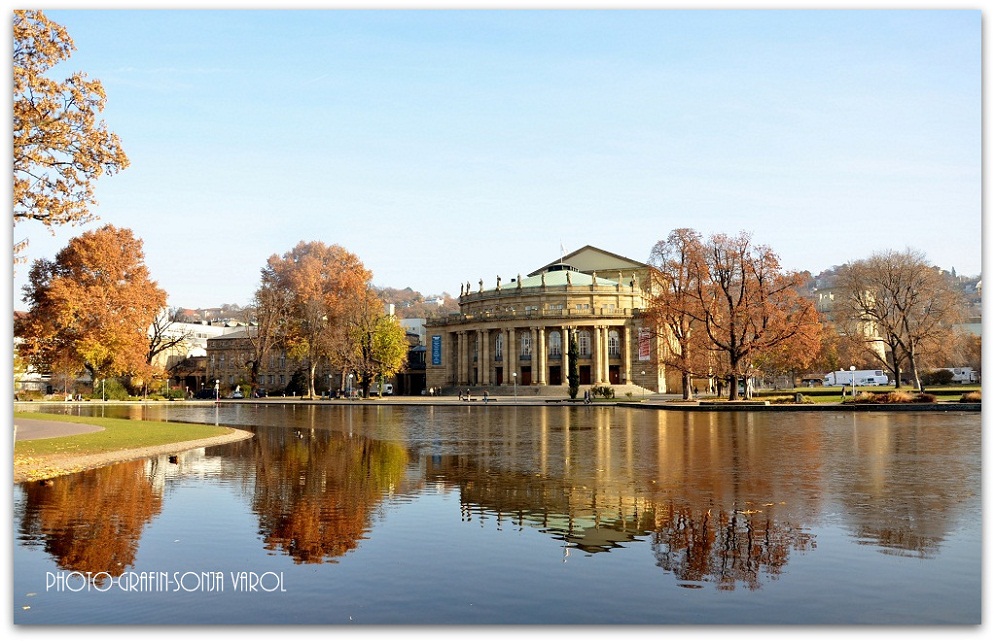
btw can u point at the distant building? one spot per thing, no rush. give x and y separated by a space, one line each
185 362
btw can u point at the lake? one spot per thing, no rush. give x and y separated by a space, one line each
530 514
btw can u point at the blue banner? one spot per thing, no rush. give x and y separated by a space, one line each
436 349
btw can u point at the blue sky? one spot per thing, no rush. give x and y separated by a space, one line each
448 146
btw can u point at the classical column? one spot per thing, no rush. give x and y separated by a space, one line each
460 357
532 347
607 353
465 359
541 357
566 356
596 355
506 372
449 356
625 336
512 357
484 337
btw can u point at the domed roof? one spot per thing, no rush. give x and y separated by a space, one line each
559 278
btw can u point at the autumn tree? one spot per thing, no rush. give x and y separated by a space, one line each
323 284
91 308
673 310
60 148
379 343
267 318
901 298
751 309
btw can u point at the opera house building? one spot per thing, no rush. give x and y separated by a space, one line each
515 334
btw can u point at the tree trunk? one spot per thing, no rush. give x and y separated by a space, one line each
686 386
253 377
915 370
897 368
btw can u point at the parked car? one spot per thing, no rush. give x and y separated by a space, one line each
204 393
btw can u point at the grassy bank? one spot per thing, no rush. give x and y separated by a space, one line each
830 394
117 434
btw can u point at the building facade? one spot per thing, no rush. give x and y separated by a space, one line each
516 335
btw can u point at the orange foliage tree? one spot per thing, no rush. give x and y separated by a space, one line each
323 284
731 297
750 309
60 147
91 308
672 309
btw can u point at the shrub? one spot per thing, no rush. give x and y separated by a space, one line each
971 397
866 397
940 377
897 396
112 389
603 391
792 399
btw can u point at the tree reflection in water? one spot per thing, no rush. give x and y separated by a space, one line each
721 499
315 493
725 548
92 522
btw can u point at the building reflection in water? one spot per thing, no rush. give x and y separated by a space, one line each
722 498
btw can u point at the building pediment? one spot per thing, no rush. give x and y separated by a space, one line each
590 259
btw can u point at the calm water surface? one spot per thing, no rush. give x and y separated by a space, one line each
398 514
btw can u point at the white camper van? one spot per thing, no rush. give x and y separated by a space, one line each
856 377
963 374
386 390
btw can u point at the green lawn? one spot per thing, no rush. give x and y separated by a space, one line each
118 434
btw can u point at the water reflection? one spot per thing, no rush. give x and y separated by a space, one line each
92 522
724 499
315 491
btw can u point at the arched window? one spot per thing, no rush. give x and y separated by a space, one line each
613 344
555 344
499 347
584 343
526 345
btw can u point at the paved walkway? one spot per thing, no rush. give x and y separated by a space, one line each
25 429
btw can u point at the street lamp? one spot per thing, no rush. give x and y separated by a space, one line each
329 385
348 389
853 385
217 390
514 379
642 373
